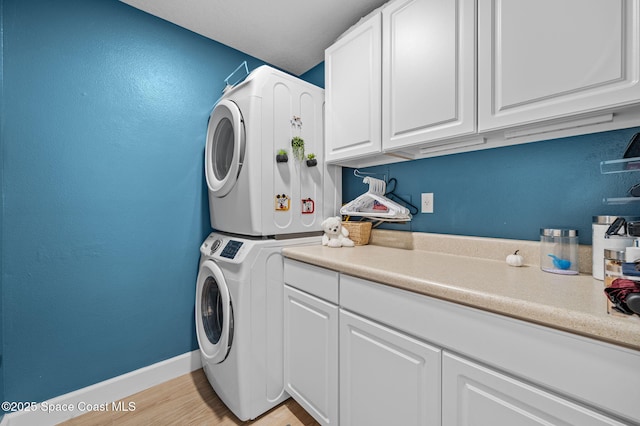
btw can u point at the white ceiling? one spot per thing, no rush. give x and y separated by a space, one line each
289 34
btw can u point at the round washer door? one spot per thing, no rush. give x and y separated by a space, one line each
225 147
214 314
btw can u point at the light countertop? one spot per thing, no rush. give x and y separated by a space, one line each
571 303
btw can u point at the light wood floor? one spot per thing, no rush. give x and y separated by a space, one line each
189 400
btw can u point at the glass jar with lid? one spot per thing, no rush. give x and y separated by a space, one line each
613 260
559 250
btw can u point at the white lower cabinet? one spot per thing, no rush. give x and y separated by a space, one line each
371 354
311 354
474 395
386 377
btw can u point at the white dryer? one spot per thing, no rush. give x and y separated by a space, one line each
249 192
240 320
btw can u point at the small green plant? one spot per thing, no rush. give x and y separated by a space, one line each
281 156
297 144
311 159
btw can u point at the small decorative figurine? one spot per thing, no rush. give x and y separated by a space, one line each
515 259
335 235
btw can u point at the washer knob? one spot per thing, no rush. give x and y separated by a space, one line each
215 245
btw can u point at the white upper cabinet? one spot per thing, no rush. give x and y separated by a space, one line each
428 71
403 77
352 95
431 77
544 59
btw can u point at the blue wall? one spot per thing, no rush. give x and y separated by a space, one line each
315 75
512 192
104 119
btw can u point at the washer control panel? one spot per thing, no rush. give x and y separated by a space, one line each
231 249
223 248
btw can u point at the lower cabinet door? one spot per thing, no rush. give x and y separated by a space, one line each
311 354
386 377
474 395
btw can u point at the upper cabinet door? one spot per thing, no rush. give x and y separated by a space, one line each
352 95
429 80
544 59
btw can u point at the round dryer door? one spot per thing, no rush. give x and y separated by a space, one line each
214 314
225 147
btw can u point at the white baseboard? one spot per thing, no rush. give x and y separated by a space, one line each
105 392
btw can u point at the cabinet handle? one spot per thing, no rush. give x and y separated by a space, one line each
447 145
513 134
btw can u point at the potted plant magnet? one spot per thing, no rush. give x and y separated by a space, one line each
311 160
281 156
297 144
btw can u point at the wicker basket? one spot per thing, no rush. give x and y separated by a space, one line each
359 232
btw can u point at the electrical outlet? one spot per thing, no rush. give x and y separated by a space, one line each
427 202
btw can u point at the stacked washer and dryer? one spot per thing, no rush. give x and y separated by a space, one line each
257 206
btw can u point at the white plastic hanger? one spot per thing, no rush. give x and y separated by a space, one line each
375 205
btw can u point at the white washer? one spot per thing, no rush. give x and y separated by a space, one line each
247 127
240 320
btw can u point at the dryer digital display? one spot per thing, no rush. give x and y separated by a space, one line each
231 249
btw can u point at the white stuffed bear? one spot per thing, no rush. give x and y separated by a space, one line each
334 234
